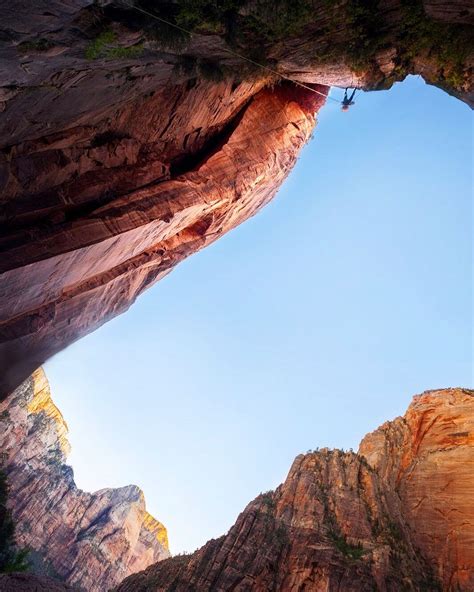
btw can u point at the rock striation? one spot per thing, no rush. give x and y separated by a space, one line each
123 151
91 265
427 457
397 516
90 541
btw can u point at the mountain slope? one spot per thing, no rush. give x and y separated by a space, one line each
91 541
397 516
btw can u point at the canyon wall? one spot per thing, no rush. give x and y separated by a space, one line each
80 272
397 516
427 456
124 149
88 540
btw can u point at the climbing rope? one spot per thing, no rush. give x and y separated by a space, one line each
232 52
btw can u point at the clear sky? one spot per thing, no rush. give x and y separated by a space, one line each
308 326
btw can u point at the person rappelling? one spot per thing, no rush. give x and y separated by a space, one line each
348 101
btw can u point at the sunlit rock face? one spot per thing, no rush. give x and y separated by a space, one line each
427 456
77 273
397 516
91 541
332 525
117 163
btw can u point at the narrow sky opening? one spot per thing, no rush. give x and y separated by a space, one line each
306 327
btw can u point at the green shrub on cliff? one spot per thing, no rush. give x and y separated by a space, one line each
12 559
353 32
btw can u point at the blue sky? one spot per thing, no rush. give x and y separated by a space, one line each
308 326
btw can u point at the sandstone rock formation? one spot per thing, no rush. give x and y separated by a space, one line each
427 456
20 582
91 541
114 252
397 516
120 157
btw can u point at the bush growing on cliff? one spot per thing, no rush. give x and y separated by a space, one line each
354 32
104 46
12 559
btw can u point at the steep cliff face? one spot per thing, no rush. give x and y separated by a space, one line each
124 149
397 516
91 541
332 525
92 263
427 456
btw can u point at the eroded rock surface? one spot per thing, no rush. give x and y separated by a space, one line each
20 582
75 274
91 541
427 456
397 516
119 156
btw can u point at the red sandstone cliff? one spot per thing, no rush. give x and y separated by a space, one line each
91 541
427 456
85 270
397 516
119 158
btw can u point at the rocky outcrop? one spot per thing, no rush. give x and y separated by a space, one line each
90 541
125 148
427 456
20 582
397 516
80 272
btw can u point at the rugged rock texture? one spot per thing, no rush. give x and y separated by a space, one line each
397 516
87 269
91 541
118 157
31 583
332 525
427 456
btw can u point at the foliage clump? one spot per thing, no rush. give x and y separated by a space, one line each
104 46
352 32
350 551
38 45
12 559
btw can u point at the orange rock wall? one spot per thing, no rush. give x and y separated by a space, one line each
427 456
397 516
68 277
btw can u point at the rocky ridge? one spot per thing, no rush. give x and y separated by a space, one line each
397 516
89 540
427 457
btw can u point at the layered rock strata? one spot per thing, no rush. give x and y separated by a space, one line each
120 156
81 271
88 540
397 516
427 457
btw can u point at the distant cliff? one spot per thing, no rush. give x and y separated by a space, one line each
398 516
89 540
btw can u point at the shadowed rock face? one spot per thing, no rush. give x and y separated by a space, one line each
397 516
117 163
91 541
32 583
